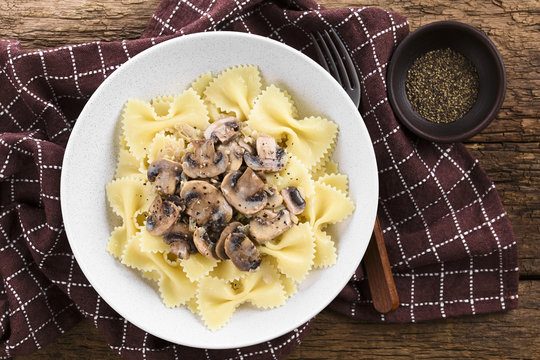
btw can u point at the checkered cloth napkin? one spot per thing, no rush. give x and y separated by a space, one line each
449 240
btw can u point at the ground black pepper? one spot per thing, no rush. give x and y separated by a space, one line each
442 85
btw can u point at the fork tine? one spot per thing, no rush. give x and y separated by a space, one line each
354 81
333 69
337 59
322 59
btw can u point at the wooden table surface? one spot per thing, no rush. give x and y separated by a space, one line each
508 150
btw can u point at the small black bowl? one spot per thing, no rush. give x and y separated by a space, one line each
475 46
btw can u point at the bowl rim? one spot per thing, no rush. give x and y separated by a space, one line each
397 104
70 149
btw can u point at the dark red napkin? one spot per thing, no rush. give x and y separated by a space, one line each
448 237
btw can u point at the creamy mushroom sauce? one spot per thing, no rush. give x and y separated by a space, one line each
215 201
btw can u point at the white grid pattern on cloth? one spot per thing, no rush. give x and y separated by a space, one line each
27 270
488 221
236 19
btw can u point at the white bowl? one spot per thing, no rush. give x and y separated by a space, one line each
169 68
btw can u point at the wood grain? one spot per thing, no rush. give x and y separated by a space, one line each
509 151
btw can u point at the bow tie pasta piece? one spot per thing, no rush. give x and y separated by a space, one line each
151 275
218 299
126 196
326 253
199 85
235 89
272 113
309 139
322 167
162 104
315 137
118 239
330 167
226 270
141 123
152 243
197 266
293 251
338 181
266 289
174 286
289 285
128 165
171 259
327 206
192 305
123 143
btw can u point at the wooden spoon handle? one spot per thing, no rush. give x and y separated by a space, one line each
379 274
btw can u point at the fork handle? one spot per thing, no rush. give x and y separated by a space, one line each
379 274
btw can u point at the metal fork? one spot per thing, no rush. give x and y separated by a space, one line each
334 57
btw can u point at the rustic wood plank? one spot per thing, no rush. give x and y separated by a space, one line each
497 336
49 23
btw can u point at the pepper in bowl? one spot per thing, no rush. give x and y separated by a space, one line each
446 81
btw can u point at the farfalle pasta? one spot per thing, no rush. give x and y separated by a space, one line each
225 194
309 139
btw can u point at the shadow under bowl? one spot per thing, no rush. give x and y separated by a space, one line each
475 46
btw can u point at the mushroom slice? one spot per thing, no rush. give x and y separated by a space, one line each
204 161
220 245
270 156
294 201
183 180
179 231
205 204
267 147
242 252
266 165
181 249
234 153
244 191
204 244
274 199
267 225
163 215
224 130
165 174
176 200
180 239
244 145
